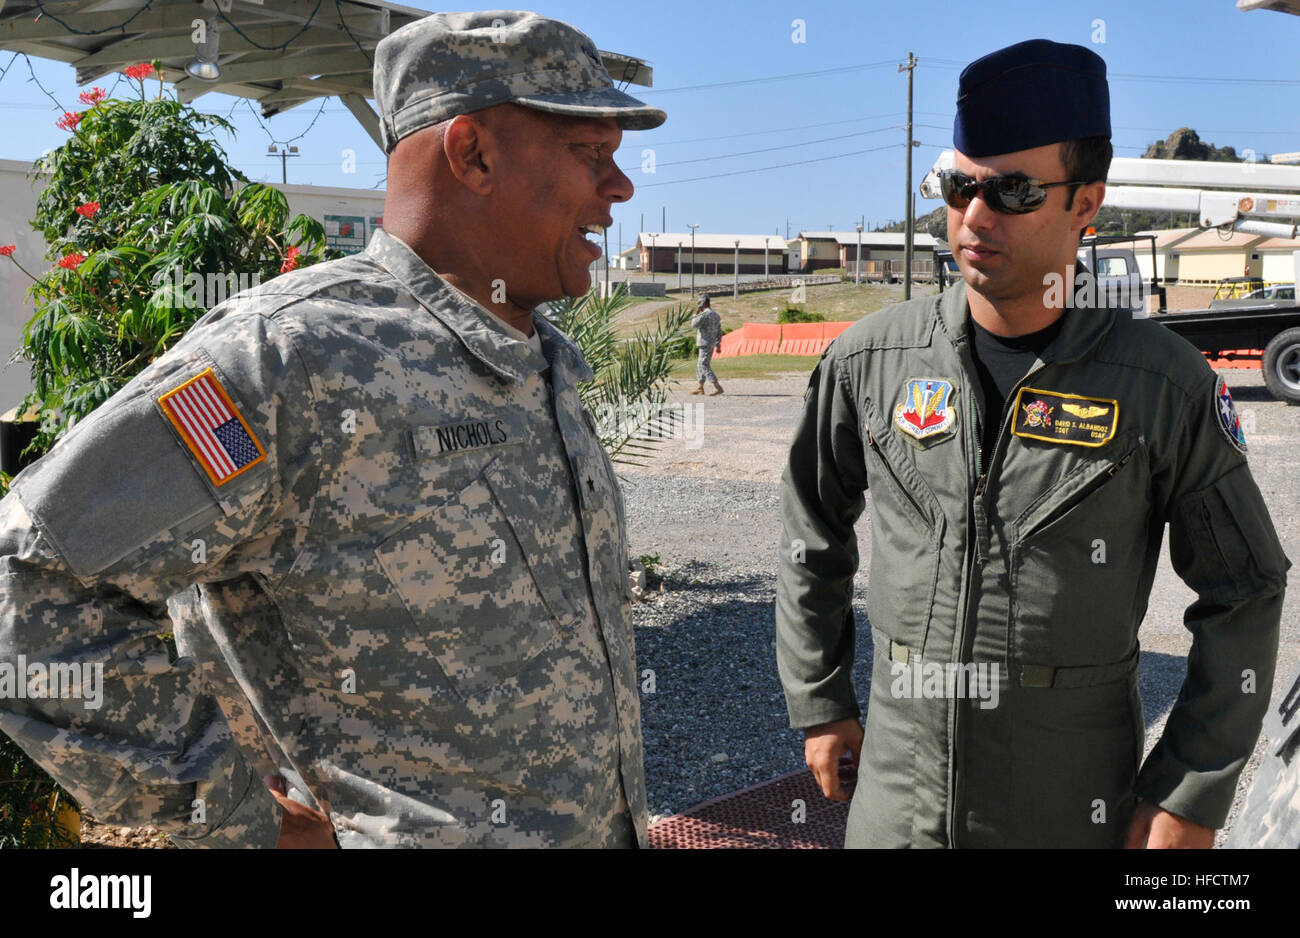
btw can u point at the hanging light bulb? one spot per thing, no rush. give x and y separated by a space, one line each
204 67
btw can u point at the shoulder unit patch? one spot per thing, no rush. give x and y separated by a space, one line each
1229 422
212 427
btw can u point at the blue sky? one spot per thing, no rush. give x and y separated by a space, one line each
1231 75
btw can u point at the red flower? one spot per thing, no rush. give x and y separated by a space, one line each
68 121
88 210
138 72
93 96
290 259
7 250
72 261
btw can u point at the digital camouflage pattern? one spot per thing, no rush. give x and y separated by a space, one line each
1271 816
1037 557
415 608
447 64
708 333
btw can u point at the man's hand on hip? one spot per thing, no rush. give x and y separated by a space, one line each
301 828
1157 829
823 746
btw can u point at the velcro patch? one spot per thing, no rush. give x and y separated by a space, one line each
212 427
1064 418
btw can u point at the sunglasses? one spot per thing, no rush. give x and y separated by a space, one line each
1008 195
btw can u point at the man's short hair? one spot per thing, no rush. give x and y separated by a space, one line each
1087 159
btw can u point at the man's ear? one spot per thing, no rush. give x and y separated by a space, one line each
468 144
1087 203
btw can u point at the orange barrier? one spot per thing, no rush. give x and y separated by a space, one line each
1251 363
751 339
803 338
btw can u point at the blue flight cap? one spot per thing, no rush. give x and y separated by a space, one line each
1029 95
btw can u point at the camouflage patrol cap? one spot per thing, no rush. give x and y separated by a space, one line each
447 64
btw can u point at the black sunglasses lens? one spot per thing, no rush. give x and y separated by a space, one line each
1017 196
1010 195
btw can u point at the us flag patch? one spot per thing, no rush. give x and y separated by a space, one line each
212 428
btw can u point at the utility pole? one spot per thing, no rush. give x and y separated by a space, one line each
284 156
663 219
679 266
692 227
910 68
607 262
735 272
857 278
766 247
652 258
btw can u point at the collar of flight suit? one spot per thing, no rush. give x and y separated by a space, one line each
511 359
1083 328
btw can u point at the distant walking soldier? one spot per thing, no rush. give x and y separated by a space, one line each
708 338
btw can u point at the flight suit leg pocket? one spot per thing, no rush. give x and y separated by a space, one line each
469 589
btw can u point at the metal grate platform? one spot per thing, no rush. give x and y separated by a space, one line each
764 817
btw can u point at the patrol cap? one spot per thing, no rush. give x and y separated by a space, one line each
1029 95
447 64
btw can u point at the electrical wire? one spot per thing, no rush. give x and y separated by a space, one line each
761 169
93 32
785 146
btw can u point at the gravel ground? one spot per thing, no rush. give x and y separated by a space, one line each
716 722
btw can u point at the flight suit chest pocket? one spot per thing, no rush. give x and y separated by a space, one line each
470 590
1077 559
906 530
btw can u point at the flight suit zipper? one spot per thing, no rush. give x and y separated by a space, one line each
980 551
898 483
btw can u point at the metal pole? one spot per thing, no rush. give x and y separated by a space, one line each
679 265
766 271
735 273
908 228
652 259
857 277
693 227
607 262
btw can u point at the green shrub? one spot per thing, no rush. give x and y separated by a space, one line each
794 314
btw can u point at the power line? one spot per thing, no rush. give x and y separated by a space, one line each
761 169
756 81
784 146
774 130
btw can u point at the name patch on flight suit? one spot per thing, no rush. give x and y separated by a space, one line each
213 429
1064 418
926 411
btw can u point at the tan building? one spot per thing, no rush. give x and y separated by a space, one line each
822 249
1193 256
714 253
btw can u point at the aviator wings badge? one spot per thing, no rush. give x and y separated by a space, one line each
926 411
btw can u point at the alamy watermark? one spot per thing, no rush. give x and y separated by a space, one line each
934 680
651 420
197 290
37 680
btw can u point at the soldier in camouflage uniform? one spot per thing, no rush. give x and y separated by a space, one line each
708 337
367 499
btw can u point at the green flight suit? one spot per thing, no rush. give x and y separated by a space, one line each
1037 557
